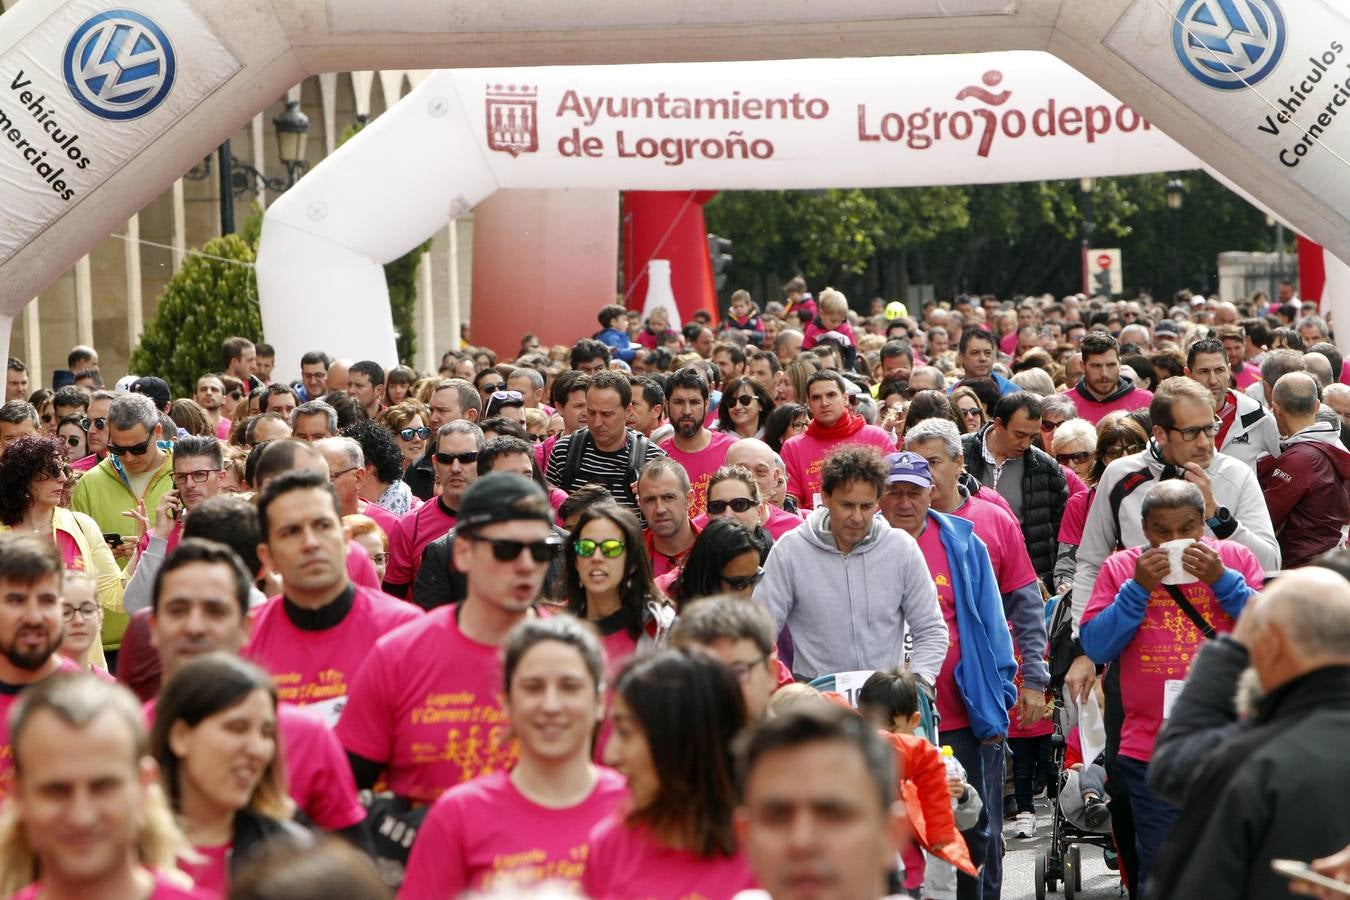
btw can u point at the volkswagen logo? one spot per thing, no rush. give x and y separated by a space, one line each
119 65
1229 44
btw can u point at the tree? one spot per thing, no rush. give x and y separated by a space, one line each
213 296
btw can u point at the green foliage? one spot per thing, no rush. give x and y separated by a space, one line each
214 296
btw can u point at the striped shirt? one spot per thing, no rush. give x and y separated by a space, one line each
609 469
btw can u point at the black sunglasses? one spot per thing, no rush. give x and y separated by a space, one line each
73 440
745 581
744 400
1074 459
737 504
505 551
492 388
100 423
409 433
135 449
463 459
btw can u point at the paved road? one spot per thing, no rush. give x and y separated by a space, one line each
1099 883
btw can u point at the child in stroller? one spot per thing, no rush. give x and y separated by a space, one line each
1080 817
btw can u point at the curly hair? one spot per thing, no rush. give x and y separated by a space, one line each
378 446
23 461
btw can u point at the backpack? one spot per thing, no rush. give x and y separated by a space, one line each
1060 642
638 446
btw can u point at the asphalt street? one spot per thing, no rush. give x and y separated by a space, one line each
1019 873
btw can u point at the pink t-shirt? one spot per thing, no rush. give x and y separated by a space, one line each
1166 642
317 668
175 535
631 863
411 536
211 875
701 465
427 703
383 517
804 456
1094 410
9 693
1075 517
951 706
164 890
485 835
1076 484
1038 728
1249 375
1003 537
223 429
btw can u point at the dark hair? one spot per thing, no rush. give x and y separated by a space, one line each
729 392
690 707
501 446
1292 339
378 448
612 381
1010 404
1257 330
816 723
1096 343
568 383
637 587
289 482
275 389
688 379
316 356
894 691
609 313
371 369
202 688
1166 364
737 354
893 349
930 405
347 407
196 445
199 550
717 618
720 541
232 349
585 350
265 350
1332 355
276 458
827 375
29 457
561 629
775 365
779 421
72 395
79 357
653 393
975 333
986 390
25 559
231 521
399 375
1208 345
582 498
850 464
1143 367
1112 430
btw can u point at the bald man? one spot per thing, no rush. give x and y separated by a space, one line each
1273 785
1307 487
771 476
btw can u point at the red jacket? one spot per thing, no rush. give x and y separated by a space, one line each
1307 489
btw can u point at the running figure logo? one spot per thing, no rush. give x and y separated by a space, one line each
1229 44
119 65
512 118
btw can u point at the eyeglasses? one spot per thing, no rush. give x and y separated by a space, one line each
535 438
58 471
99 424
420 433
1073 459
492 388
743 400
379 559
464 459
198 477
135 449
1049 425
970 412
506 551
742 670
85 610
1190 434
745 581
1120 450
73 440
609 549
336 475
737 504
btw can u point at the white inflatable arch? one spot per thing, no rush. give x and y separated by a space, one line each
104 102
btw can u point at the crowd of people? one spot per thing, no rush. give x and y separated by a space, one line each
771 606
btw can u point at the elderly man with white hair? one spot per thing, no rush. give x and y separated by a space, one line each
771 476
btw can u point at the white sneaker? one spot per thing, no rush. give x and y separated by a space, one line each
1025 825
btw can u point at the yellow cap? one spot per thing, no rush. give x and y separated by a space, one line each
947 750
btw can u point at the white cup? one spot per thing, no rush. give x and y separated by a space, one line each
1177 574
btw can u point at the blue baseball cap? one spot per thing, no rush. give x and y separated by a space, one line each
909 467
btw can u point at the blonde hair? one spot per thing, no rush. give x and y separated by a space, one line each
536 418
832 301
793 696
356 525
77 700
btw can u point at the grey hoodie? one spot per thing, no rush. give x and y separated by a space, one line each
849 612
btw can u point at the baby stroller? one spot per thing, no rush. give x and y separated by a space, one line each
1061 861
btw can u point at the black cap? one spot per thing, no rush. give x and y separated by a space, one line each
502 497
157 389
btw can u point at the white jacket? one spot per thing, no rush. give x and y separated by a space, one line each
1253 433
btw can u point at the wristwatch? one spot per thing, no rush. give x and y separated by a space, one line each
1222 522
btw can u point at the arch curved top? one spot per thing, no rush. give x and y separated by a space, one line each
122 108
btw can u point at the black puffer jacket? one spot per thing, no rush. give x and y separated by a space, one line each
1044 494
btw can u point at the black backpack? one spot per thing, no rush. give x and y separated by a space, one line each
638 446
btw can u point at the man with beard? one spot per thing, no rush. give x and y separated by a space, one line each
31 578
1102 389
701 451
1272 783
210 396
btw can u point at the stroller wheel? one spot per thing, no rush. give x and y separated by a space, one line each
1077 868
1071 877
1042 883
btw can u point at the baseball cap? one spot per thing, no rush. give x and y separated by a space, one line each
835 337
157 389
502 497
908 467
1167 326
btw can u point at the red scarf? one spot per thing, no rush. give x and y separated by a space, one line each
848 425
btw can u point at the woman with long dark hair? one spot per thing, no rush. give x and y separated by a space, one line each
727 558
744 409
215 739
787 420
675 715
532 823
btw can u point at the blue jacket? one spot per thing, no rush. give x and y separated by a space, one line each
987 667
618 344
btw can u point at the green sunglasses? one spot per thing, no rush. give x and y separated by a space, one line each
610 549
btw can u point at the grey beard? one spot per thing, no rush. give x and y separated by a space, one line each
1249 693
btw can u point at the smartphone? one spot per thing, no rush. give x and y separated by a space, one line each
177 508
1293 868
114 540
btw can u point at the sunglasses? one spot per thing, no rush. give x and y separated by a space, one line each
500 396
745 581
48 419
463 459
135 449
492 388
743 400
420 433
100 423
73 440
737 504
1073 459
1049 425
968 412
55 472
506 551
609 549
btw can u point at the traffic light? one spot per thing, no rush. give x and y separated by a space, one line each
719 251
1103 279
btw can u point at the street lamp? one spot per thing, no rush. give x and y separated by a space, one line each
1176 196
1088 186
292 127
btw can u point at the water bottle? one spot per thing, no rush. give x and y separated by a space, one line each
954 767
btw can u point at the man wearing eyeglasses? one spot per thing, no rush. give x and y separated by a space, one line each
347 473
196 478
314 635
425 708
96 432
